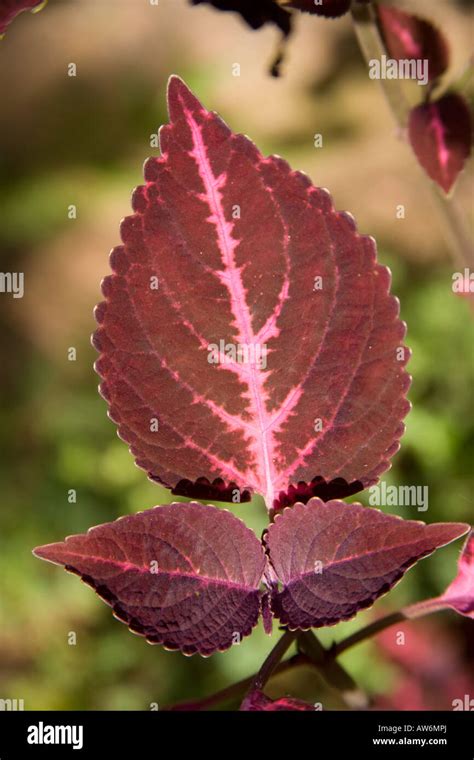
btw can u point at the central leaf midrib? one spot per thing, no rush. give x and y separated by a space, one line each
242 315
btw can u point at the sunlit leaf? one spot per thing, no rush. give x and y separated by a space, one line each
247 334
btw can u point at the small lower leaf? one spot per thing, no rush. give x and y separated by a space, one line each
183 575
440 135
334 559
409 37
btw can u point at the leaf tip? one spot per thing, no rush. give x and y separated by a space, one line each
458 530
44 552
180 98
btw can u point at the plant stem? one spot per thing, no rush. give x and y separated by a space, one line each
238 689
314 654
372 47
273 660
411 612
333 673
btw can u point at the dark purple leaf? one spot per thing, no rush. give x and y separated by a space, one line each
183 575
247 255
328 8
255 14
256 700
460 593
440 134
413 38
11 8
333 559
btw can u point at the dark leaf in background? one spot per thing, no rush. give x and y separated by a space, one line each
327 8
11 8
440 134
255 13
321 390
334 559
258 701
183 575
410 37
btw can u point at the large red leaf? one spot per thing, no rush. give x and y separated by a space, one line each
460 593
440 134
333 559
183 575
11 8
237 243
410 37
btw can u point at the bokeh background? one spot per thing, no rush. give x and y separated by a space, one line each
82 140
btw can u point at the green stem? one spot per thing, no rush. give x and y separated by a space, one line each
372 47
237 690
313 653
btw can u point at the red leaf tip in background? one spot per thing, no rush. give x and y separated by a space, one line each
256 700
11 8
183 575
440 134
247 332
413 38
460 593
334 559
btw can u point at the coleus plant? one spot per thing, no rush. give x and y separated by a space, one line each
248 345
